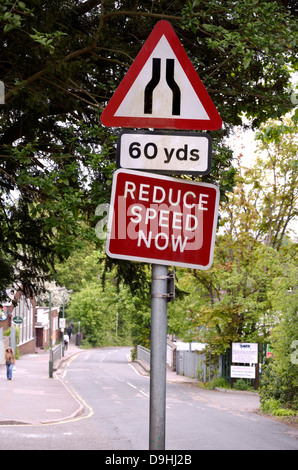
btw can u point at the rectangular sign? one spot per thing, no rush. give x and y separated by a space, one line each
245 353
243 372
162 220
183 152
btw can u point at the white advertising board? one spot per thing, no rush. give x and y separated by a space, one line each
245 353
243 372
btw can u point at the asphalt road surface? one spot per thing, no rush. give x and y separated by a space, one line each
116 417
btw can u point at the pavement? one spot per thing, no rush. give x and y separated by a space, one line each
32 397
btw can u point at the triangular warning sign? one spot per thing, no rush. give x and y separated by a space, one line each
162 89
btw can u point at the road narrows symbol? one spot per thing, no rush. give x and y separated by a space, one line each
174 87
152 84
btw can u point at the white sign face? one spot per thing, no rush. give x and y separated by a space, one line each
245 353
62 323
243 372
133 103
185 153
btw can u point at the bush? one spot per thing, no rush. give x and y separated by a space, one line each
242 385
219 382
274 407
278 388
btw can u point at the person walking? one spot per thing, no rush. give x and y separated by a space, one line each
66 341
10 361
69 330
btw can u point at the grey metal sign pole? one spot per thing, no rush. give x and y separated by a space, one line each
158 357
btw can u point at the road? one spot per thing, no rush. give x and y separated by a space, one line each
116 399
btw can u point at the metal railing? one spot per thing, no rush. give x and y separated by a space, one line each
57 352
143 353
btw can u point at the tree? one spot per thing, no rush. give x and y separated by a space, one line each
108 315
61 62
275 180
109 311
280 384
255 261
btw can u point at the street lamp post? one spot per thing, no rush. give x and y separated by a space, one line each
51 348
63 325
51 361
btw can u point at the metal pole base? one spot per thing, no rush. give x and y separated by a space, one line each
158 358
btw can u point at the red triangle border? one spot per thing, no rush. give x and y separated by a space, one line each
108 117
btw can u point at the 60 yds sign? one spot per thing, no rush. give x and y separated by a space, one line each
183 152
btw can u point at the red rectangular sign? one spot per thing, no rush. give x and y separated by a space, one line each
162 220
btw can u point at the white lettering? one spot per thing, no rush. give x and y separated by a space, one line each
188 225
160 236
171 202
177 222
201 201
177 242
130 189
165 237
143 237
164 218
144 195
189 206
161 241
163 194
119 460
150 215
134 210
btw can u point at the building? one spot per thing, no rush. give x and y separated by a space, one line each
20 313
42 327
31 322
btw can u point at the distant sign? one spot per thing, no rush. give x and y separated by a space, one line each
245 353
166 152
243 372
3 313
158 219
62 322
18 320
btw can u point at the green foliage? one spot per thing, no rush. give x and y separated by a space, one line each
46 39
245 293
241 38
242 385
274 407
12 14
110 314
57 161
279 382
102 314
80 269
218 382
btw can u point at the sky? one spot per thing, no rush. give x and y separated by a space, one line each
243 142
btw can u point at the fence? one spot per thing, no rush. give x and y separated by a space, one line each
143 353
57 353
4 343
197 365
1 347
187 363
